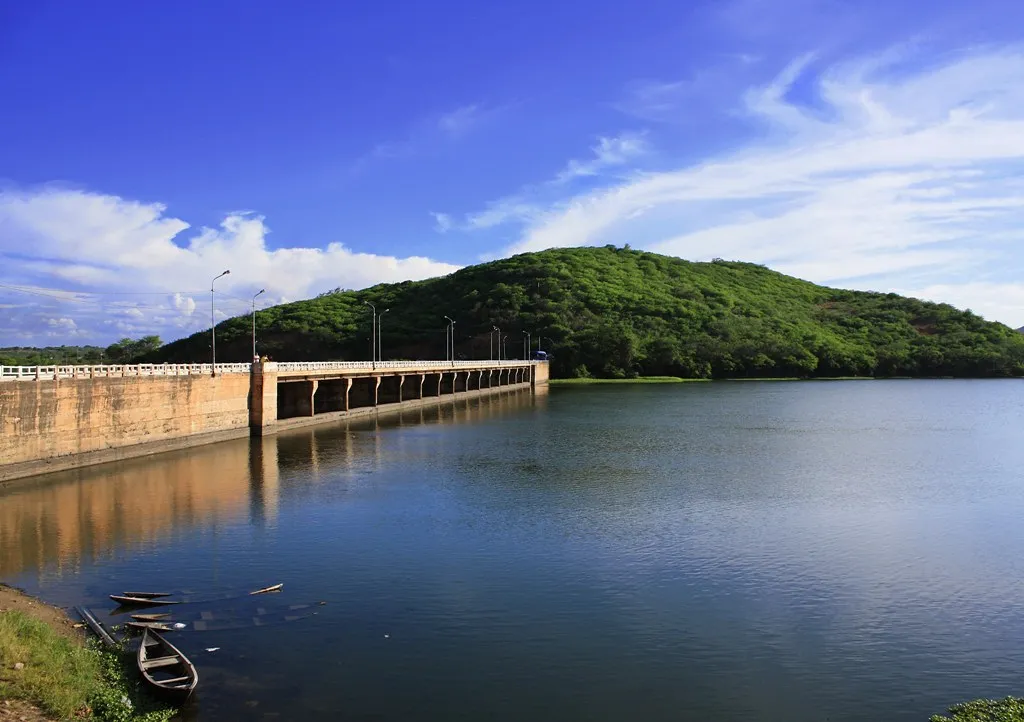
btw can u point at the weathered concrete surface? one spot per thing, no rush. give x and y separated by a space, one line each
56 424
541 372
46 426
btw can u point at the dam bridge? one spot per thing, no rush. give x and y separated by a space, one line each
64 416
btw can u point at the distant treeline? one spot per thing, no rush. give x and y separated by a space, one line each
124 351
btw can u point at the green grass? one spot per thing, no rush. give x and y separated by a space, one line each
638 380
1010 709
68 680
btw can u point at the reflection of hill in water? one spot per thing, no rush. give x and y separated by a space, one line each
63 519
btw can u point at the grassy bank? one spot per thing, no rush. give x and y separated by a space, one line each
51 672
638 380
1010 709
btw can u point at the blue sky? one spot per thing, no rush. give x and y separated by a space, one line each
146 148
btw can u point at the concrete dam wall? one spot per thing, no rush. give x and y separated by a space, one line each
65 419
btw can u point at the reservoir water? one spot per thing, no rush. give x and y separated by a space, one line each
730 551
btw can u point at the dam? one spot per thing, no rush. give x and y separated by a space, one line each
61 417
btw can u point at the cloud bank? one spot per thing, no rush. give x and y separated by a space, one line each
137 270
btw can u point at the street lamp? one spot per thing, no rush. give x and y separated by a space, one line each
502 354
255 358
493 329
526 347
449 333
213 327
373 335
380 325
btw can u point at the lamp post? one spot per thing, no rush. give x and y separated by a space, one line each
213 327
493 329
373 335
449 340
502 353
255 358
380 326
526 346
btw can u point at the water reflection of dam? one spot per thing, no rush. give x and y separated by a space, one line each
57 522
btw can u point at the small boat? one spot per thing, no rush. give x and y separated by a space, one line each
150 617
165 668
130 601
148 595
265 590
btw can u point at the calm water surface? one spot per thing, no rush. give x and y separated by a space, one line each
734 551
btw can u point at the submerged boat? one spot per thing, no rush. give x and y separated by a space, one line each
156 599
129 601
165 668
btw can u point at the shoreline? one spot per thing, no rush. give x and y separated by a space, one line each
740 379
50 669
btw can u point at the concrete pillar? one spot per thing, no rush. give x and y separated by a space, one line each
313 385
262 398
348 390
423 379
539 374
376 391
401 383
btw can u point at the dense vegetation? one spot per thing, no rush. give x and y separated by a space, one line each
616 312
1010 709
29 356
124 351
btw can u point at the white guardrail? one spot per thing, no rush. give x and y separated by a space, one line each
49 373
331 365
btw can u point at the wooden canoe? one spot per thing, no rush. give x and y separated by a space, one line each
148 595
141 601
165 668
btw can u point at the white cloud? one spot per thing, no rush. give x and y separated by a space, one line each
608 152
105 244
526 207
460 120
135 313
62 323
442 222
881 176
185 304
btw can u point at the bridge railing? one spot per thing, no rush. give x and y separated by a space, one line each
27 373
32 373
341 365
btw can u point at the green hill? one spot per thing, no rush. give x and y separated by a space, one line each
619 312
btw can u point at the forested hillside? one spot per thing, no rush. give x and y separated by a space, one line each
619 312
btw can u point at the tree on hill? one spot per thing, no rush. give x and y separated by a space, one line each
129 350
618 312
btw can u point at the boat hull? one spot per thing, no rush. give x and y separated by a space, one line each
164 668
